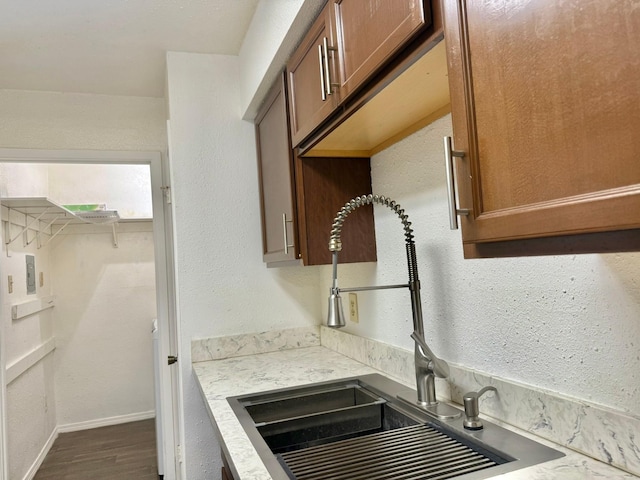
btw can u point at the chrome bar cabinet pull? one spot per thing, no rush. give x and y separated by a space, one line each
322 87
327 83
287 246
454 211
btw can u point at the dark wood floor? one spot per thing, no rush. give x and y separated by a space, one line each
118 452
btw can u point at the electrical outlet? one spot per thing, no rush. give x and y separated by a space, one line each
10 283
353 307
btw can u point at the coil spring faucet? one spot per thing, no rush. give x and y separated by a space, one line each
427 365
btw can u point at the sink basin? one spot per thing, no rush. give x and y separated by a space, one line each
296 420
363 428
270 407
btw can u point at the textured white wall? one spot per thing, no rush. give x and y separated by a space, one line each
23 335
568 324
223 286
125 188
105 304
269 25
23 180
53 120
276 28
31 417
30 402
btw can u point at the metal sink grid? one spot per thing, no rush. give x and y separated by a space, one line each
409 453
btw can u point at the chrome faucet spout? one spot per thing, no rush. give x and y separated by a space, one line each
440 367
427 365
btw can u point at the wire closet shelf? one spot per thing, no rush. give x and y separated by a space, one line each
42 215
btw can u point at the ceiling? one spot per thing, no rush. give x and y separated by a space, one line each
111 47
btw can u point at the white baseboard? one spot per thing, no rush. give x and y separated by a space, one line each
105 422
41 456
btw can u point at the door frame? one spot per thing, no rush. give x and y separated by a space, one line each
171 393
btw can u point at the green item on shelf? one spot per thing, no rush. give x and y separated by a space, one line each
91 207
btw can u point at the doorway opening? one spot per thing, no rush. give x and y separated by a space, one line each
98 289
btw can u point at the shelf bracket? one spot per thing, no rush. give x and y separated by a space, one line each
27 227
51 222
29 242
55 234
115 235
37 237
7 236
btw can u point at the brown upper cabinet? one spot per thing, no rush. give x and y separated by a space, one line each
545 103
300 197
369 33
346 46
276 178
311 76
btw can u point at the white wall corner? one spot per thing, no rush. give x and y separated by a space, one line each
224 290
31 473
275 31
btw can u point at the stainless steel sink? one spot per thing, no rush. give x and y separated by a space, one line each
364 428
273 406
296 420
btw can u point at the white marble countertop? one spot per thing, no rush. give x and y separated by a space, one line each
219 379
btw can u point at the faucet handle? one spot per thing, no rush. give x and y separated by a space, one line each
472 410
440 367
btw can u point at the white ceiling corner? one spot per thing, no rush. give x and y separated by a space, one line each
111 47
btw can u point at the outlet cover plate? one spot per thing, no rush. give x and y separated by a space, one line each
353 308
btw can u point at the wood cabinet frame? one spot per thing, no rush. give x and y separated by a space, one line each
323 186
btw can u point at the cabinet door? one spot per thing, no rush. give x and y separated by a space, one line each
545 100
370 32
275 168
311 77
